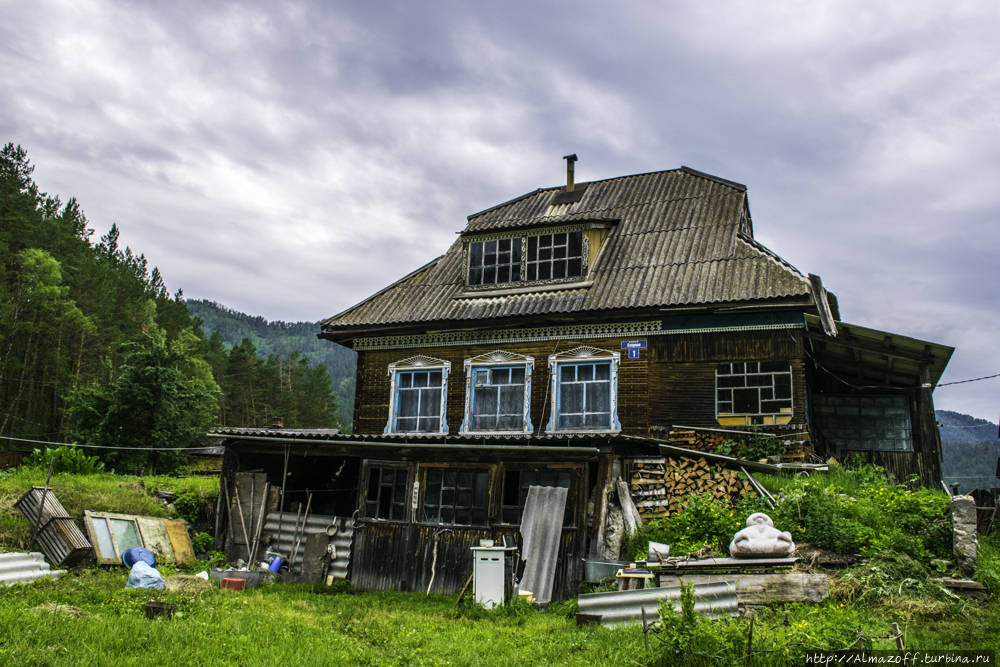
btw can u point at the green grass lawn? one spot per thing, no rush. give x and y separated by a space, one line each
296 626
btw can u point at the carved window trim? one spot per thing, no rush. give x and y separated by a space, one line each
584 355
415 364
497 359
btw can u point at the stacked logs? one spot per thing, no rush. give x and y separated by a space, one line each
660 485
702 441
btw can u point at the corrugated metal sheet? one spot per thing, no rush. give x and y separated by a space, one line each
20 568
541 529
60 538
677 242
342 540
619 607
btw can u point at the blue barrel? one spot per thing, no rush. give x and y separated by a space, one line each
136 554
275 564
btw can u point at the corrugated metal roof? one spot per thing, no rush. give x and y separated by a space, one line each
677 242
20 568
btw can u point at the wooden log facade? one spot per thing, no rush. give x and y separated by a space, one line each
663 317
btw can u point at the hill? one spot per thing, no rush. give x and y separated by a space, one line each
971 449
282 339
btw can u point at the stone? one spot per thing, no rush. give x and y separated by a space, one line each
963 518
760 539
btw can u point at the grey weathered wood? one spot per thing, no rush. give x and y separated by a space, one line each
762 588
632 518
314 559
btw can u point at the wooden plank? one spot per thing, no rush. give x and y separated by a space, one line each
179 540
762 588
719 459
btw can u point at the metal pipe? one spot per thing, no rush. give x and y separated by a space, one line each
295 550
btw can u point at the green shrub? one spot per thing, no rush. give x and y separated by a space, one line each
202 542
68 459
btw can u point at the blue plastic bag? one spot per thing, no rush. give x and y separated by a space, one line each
144 576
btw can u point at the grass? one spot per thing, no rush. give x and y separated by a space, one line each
300 626
289 625
100 492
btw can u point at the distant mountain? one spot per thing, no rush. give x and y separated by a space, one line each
971 449
283 338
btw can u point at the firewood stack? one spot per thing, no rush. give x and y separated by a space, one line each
660 485
702 441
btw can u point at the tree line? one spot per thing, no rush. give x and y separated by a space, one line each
95 351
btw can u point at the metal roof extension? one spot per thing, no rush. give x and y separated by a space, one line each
868 357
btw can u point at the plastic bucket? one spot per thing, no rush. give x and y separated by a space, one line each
136 554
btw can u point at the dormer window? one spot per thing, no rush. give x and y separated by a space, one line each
555 256
532 258
495 262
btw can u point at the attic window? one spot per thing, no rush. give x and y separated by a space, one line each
541 257
495 262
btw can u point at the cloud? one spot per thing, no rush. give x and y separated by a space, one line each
289 160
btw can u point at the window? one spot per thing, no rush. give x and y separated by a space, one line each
498 393
386 497
456 496
113 537
584 390
870 421
515 491
494 262
555 256
754 392
418 393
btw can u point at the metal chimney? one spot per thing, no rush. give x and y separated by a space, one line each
570 160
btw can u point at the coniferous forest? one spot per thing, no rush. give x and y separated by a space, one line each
95 351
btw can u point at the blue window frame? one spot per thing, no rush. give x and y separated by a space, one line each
497 402
498 393
418 395
584 390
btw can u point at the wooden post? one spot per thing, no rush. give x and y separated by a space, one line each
929 447
899 636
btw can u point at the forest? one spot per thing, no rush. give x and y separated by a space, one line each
971 449
95 351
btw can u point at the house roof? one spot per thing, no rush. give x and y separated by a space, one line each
679 238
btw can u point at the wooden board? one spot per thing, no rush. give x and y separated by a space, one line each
762 588
179 540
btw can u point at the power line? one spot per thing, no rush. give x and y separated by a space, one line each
972 380
144 449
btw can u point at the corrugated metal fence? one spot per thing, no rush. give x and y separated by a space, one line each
22 568
341 540
618 607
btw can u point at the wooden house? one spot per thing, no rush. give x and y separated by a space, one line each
564 334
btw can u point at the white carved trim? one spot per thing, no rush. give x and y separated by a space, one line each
584 352
419 361
499 358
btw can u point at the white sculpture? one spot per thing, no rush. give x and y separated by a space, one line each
760 539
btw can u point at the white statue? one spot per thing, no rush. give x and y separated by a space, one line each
760 539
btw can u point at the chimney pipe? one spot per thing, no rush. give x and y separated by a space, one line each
277 422
570 159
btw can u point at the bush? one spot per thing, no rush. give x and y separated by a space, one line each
202 542
68 459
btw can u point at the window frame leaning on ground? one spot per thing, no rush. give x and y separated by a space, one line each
414 365
498 360
579 357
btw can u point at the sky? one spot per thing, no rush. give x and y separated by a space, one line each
290 159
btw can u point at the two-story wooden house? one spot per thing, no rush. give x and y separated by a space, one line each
563 334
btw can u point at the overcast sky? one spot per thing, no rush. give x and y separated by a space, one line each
289 161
